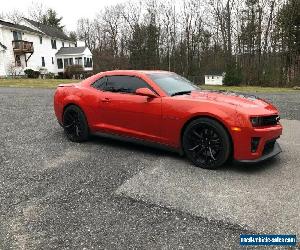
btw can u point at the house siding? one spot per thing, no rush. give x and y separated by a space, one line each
6 39
213 80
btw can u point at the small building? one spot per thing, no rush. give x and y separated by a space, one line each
214 79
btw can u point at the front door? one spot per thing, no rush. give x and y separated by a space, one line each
124 112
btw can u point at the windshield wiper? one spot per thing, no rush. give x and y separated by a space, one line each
181 93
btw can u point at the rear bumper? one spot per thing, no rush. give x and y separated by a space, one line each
276 150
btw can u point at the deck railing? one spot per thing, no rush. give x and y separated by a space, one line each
20 46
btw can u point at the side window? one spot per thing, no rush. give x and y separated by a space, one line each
53 43
124 84
60 63
137 83
17 35
100 83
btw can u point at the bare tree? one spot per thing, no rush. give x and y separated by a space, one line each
194 37
85 32
14 16
37 11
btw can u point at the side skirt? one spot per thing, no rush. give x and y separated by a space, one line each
139 141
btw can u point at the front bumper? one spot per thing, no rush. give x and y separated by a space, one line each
242 143
276 150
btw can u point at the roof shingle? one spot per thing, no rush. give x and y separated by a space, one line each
19 27
49 30
70 50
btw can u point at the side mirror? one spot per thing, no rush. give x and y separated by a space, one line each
145 92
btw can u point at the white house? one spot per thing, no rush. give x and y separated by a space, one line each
33 45
214 79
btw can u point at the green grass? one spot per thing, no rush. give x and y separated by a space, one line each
52 83
251 89
34 83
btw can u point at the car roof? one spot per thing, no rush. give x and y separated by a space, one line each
120 72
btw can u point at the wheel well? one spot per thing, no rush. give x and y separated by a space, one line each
68 105
212 118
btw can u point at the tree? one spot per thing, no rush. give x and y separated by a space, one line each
86 32
288 34
37 11
73 36
51 19
14 16
233 75
254 41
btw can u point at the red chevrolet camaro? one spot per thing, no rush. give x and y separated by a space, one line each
165 109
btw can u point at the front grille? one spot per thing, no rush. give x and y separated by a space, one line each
269 146
270 120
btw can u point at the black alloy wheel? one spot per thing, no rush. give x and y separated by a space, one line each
206 143
75 124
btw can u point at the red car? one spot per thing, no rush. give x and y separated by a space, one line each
165 109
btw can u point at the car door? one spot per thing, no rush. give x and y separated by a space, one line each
124 112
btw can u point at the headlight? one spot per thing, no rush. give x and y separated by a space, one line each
256 121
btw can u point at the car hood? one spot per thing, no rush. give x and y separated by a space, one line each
243 101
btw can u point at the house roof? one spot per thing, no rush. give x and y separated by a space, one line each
3 46
214 73
19 27
49 30
70 50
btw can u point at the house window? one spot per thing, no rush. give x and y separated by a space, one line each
88 62
78 60
43 61
17 35
53 44
62 44
60 64
18 61
69 44
41 40
70 61
52 60
66 62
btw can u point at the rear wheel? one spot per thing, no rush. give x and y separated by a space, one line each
75 124
206 143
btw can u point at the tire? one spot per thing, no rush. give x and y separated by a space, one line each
206 143
75 124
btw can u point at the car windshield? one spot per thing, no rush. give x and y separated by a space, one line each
172 83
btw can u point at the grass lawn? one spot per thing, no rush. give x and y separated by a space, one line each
52 83
251 89
34 83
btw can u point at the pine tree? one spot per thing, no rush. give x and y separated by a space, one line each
51 19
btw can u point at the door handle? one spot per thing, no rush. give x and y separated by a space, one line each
106 100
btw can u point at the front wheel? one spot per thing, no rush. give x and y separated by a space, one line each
75 124
206 143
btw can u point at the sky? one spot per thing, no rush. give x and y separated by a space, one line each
70 10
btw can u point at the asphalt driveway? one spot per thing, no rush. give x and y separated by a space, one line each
115 195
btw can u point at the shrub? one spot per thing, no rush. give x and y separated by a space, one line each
32 73
50 75
73 71
233 75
